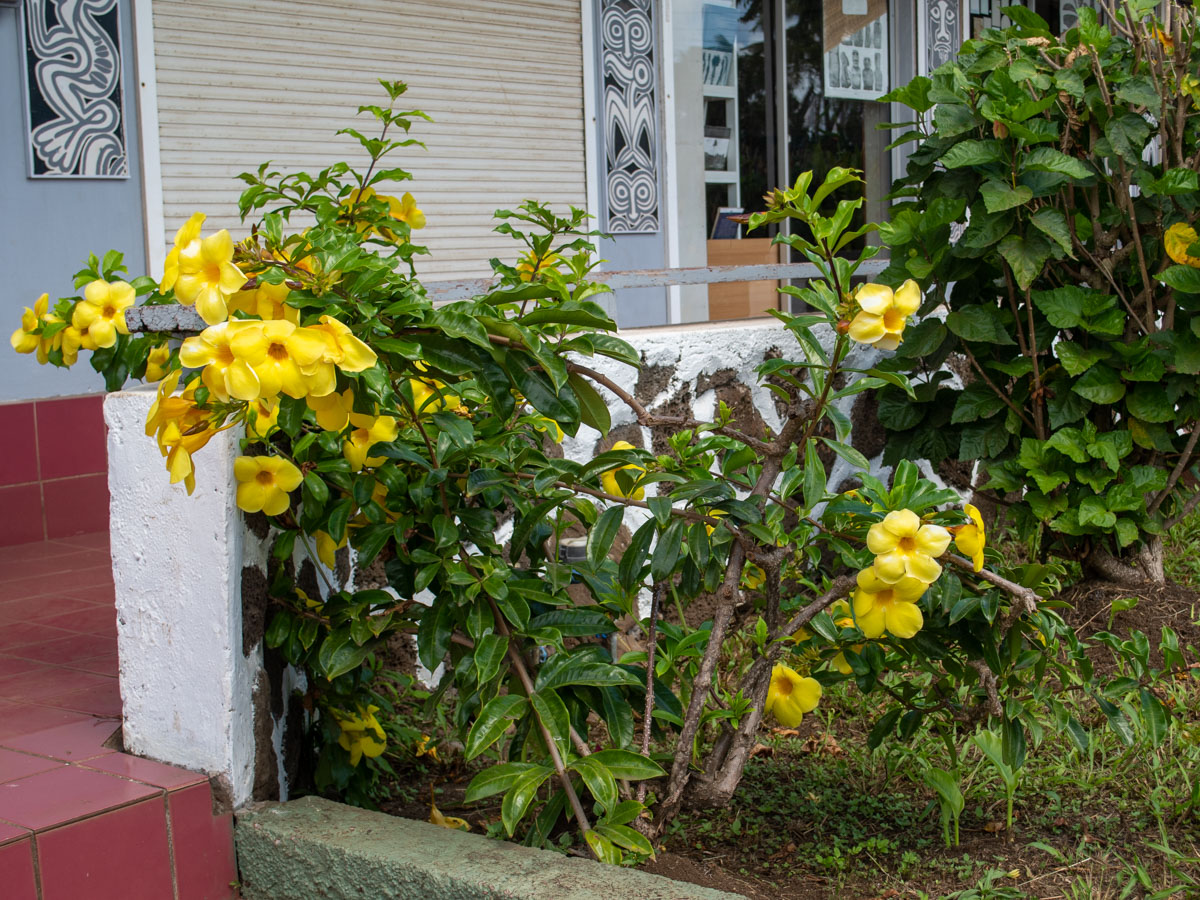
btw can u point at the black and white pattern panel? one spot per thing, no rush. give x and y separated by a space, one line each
74 93
630 116
939 27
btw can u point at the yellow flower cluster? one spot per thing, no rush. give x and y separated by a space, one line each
201 270
362 735
180 427
905 566
531 266
94 322
402 210
883 314
791 695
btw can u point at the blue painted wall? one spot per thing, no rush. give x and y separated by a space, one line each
47 227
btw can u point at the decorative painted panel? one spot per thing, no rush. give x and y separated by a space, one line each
940 27
73 87
630 116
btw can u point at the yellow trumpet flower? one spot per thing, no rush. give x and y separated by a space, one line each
342 348
262 417
285 358
264 483
207 276
101 312
368 431
225 372
327 549
883 314
436 817
187 233
266 302
972 538
362 735
608 479
791 695
156 363
885 607
531 266
333 410
903 546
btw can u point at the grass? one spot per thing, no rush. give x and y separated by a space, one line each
825 812
1180 559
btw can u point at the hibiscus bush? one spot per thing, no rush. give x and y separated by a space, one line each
1071 297
417 434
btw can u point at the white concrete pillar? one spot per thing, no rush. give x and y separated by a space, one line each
186 686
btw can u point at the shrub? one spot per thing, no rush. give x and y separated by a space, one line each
1071 296
369 416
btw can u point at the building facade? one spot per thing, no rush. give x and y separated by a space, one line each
662 118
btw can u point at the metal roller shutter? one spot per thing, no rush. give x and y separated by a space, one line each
242 81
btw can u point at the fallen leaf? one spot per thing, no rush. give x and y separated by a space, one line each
993 827
761 749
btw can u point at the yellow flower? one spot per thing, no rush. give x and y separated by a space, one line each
426 747
207 276
436 817
24 339
327 549
430 396
224 371
550 427
342 348
715 514
362 735
156 363
333 410
791 695
101 312
187 233
264 483
753 577
1177 239
368 431
883 314
883 607
608 479
903 546
262 417
971 538
402 210
284 358
180 427
266 302
530 266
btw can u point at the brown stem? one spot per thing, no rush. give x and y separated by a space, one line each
518 665
1179 469
1003 395
648 710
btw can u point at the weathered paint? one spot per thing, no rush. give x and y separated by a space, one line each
316 848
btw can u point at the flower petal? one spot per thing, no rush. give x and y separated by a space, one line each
903 619
874 298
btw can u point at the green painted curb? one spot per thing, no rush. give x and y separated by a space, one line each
312 848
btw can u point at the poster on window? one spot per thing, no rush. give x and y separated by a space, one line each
856 49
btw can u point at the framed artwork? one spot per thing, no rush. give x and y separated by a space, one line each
856 49
74 96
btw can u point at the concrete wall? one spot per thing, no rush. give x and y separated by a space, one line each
48 226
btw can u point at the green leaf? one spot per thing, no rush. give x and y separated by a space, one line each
1078 734
1053 224
493 720
599 780
1150 403
520 795
1077 359
814 476
630 569
489 654
1182 278
984 323
602 847
1155 718
627 765
499 778
977 401
624 836
666 551
1128 134
552 713
602 534
1092 511
1026 255
1100 384
1047 159
339 654
577 668
883 727
592 408
972 153
998 196
1140 90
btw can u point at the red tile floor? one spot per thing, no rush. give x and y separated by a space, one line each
80 820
